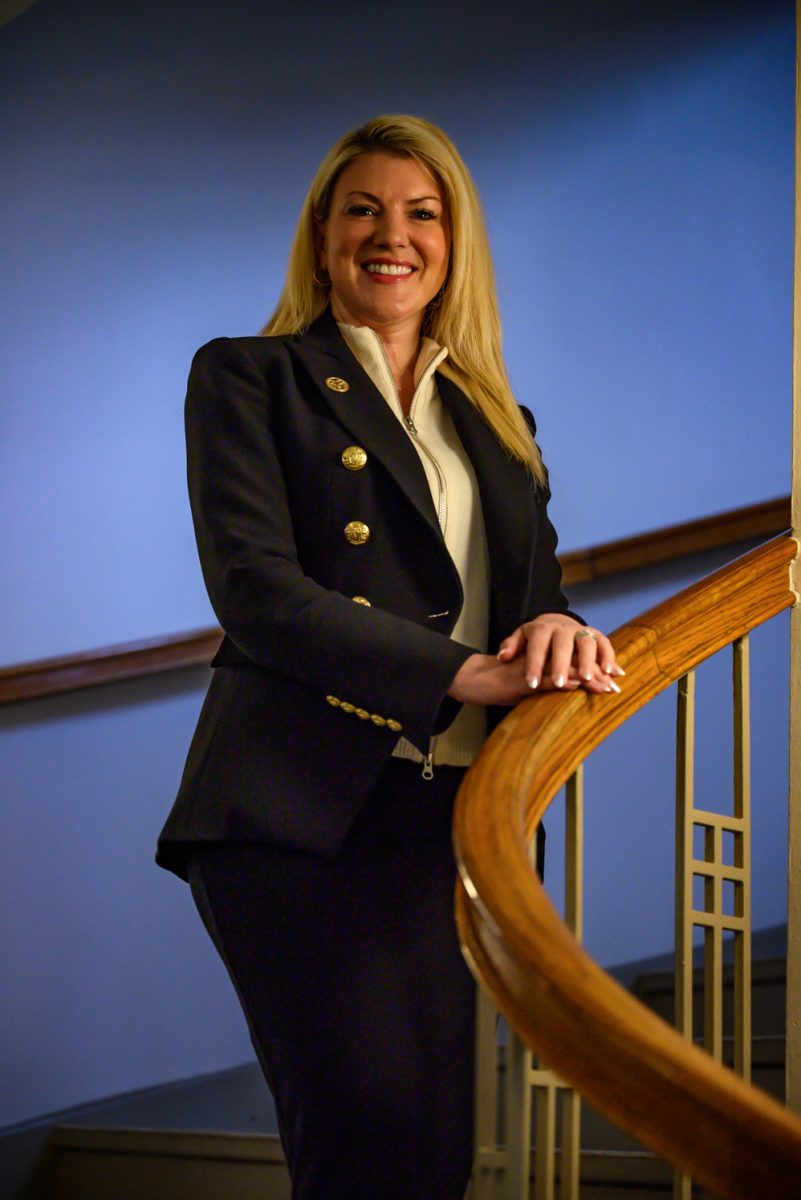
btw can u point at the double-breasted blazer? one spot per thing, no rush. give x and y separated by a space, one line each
329 575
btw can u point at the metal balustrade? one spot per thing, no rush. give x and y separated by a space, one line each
649 1079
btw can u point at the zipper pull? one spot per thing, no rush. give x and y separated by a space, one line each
428 764
410 425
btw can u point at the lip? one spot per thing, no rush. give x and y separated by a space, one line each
385 280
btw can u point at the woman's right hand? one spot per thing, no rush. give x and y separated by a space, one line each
485 679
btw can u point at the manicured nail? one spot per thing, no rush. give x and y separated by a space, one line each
558 681
587 676
607 668
619 670
534 682
613 687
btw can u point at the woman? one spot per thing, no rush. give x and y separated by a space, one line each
370 510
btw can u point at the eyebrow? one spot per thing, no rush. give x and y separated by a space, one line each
415 200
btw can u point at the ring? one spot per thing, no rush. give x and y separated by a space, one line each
584 633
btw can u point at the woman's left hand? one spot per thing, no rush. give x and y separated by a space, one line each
562 654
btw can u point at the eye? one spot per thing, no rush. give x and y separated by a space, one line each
360 210
424 214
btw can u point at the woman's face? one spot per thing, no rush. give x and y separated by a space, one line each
385 243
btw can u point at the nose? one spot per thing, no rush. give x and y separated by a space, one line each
390 229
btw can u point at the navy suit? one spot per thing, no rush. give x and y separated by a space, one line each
272 759
322 866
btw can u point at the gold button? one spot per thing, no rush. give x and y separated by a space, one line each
362 714
357 533
354 458
336 384
395 726
334 701
362 600
376 719
347 707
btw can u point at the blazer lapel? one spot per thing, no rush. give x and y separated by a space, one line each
362 409
507 498
508 505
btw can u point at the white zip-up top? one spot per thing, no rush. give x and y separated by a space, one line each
455 493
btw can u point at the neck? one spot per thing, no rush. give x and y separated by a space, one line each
401 342
401 355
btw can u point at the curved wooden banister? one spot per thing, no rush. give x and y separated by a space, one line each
625 1060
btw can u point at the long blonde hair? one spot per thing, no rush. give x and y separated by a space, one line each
464 315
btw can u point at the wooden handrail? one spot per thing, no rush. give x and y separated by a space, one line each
89 668
625 1060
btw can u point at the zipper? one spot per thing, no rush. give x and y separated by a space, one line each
442 497
412 430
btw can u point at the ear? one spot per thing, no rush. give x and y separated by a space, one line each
319 244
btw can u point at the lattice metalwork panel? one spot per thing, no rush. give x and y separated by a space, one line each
713 857
504 1112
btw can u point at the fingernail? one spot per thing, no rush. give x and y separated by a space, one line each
534 682
558 681
587 676
606 668
613 687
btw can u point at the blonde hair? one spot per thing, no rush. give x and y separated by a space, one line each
464 315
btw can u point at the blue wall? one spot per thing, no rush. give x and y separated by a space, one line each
637 174
109 980
636 164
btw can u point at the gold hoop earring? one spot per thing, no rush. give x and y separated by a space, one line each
321 283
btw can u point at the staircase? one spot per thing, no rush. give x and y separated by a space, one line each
137 1150
613 1165
596 1038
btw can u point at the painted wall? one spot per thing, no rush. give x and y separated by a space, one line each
636 164
109 981
636 168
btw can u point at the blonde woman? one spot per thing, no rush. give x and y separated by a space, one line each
370 511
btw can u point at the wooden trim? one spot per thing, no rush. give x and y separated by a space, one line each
70 672
676 541
793 1060
51 676
625 1060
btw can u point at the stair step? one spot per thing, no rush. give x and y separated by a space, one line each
139 1164
768 995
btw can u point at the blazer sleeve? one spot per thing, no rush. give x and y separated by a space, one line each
548 596
275 613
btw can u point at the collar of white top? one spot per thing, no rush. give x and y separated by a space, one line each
366 344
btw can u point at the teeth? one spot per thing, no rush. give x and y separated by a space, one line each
387 269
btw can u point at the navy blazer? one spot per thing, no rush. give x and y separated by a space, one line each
310 689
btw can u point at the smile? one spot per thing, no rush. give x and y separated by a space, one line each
387 269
